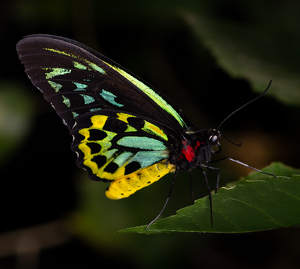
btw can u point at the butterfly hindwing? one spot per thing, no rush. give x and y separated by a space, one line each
123 148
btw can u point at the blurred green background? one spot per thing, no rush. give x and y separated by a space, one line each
209 57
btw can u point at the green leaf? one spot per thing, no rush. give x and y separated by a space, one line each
256 203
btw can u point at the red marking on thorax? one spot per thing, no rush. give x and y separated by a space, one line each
188 151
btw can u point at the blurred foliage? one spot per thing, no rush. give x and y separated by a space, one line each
254 52
16 112
209 57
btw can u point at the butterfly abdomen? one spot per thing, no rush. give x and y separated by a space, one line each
127 185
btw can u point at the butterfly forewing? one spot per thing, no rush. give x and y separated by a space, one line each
76 80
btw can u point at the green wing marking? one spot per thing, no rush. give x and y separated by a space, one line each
76 64
152 94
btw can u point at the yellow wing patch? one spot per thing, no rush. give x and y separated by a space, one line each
131 161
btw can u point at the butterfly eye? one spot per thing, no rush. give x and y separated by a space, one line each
213 139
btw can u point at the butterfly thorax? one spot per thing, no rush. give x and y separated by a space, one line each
195 149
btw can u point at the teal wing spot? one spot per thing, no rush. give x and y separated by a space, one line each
87 99
123 158
96 67
110 97
80 86
75 114
141 143
79 66
95 109
56 72
55 86
66 101
109 153
147 158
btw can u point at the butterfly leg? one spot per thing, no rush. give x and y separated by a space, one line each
192 189
209 193
168 198
218 175
244 164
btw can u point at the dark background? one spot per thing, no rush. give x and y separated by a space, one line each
209 57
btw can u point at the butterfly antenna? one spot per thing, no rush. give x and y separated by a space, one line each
236 144
245 104
168 198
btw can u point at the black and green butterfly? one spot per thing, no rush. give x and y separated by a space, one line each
124 131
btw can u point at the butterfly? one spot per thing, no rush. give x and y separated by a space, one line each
124 131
